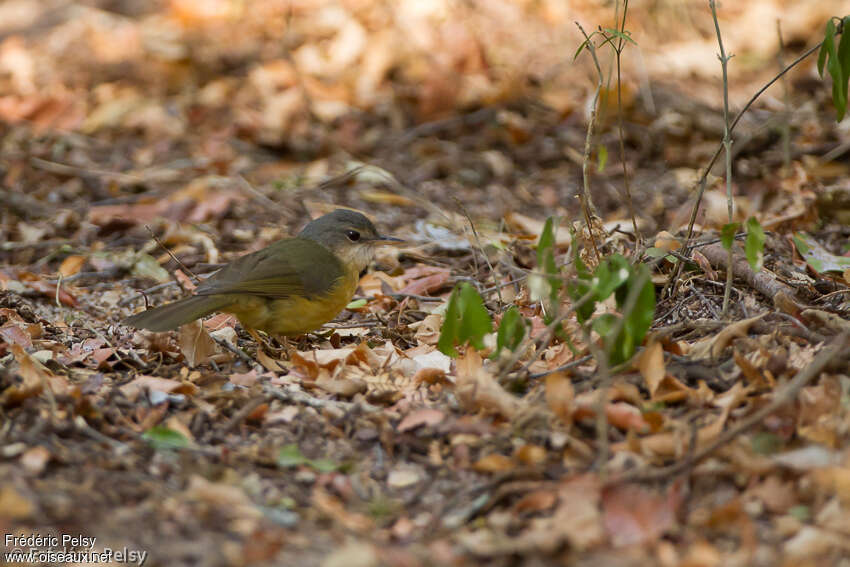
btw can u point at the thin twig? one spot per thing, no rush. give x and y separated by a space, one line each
483 252
786 101
234 349
173 257
243 414
256 194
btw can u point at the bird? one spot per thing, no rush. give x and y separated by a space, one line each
288 288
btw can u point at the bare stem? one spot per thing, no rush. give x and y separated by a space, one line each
586 201
619 50
701 182
727 148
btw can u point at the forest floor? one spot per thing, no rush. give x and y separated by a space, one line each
146 142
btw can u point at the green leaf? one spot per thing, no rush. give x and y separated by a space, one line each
163 438
602 157
843 62
290 456
844 48
451 326
323 465
610 276
801 512
357 304
546 247
727 234
545 285
625 34
836 66
827 46
604 324
638 321
581 46
475 320
818 257
146 266
467 320
577 289
765 443
511 330
754 245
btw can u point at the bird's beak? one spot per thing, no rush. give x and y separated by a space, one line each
392 240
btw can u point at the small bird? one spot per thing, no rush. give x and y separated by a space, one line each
288 288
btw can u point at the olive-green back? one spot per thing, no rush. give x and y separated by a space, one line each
292 267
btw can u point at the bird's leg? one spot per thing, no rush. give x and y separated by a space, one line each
286 347
261 343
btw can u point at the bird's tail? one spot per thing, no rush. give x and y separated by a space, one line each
180 312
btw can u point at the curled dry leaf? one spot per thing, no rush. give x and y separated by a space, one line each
34 377
428 329
712 347
477 388
650 362
666 241
131 390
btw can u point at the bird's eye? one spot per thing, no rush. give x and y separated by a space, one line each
352 235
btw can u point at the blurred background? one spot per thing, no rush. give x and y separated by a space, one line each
480 99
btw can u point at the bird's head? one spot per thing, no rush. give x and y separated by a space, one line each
349 235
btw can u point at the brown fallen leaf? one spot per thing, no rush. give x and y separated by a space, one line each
650 362
560 396
333 508
71 265
621 415
477 388
494 463
419 418
712 347
195 343
634 514
132 390
537 501
341 385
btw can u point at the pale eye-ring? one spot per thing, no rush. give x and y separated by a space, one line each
352 235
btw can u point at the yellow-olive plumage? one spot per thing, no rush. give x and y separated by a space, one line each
288 288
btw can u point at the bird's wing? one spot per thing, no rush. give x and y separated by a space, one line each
272 272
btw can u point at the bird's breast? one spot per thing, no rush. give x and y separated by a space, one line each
295 315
